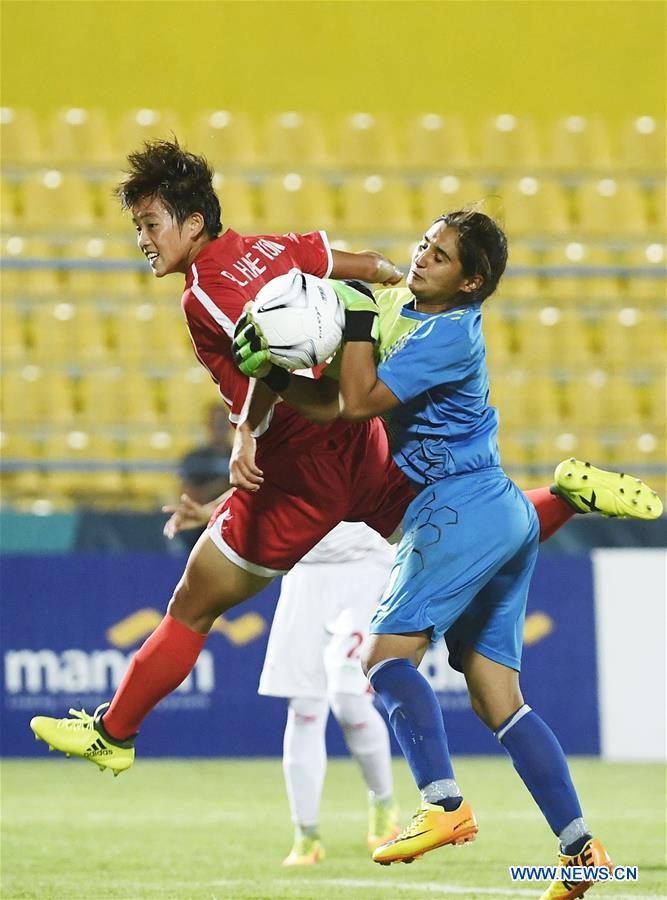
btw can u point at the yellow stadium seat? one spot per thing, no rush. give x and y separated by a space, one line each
294 140
13 333
374 203
19 136
33 396
505 387
112 397
152 333
8 200
497 335
643 144
53 199
509 142
35 273
365 140
576 272
111 215
68 333
436 142
534 206
542 405
519 284
106 267
556 444
580 143
646 280
102 398
515 450
632 338
82 136
188 392
438 194
139 125
155 456
596 399
294 202
609 206
553 336
20 474
652 400
657 206
225 138
643 455
527 399
83 464
238 202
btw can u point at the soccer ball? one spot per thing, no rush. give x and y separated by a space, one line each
301 318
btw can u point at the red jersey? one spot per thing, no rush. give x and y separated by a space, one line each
228 273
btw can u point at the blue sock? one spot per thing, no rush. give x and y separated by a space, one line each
541 763
416 718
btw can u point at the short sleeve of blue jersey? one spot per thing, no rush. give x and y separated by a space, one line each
438 352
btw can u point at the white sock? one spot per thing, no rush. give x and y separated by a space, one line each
305 758
368 740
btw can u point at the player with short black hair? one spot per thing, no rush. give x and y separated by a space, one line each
181 181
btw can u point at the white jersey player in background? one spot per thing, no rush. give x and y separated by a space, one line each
312 659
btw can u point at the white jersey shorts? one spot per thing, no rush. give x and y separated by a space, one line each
323 613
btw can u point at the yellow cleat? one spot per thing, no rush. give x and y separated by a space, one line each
79 736
431 827
307 851
593 854
588 489
382 824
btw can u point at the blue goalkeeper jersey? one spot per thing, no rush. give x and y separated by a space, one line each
436 365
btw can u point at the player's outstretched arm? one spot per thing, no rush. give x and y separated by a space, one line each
368 266
362 394
244 473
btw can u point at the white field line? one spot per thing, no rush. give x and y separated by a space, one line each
435 888
422 887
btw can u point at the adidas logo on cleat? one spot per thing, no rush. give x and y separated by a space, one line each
98 749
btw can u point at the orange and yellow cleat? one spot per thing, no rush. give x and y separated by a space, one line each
431 827
593 854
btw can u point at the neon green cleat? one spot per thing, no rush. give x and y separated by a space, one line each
593 854
431 827
588 489
307 851
382 823
80 736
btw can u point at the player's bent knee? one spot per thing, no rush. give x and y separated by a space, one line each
494 711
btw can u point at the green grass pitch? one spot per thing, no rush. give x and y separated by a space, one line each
220 828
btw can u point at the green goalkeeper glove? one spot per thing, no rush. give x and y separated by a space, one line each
250 348
361 311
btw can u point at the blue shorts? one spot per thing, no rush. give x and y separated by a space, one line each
464 566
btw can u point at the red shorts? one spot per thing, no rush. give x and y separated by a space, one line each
349 476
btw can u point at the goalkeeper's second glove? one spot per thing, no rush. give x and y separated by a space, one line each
361 312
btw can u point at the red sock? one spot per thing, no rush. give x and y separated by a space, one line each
552 511
164 660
